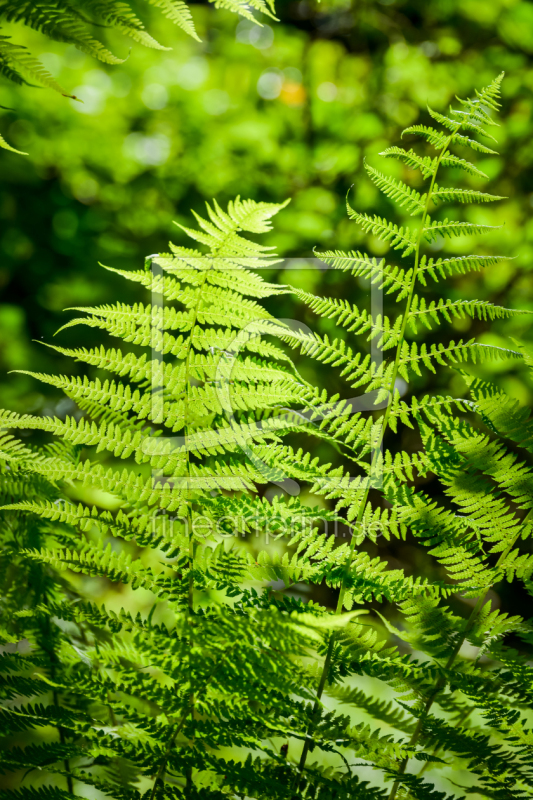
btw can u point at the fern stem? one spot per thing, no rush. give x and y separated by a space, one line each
362 506
441 682
190 597
464 716
178 727
60 730
190 588
163 766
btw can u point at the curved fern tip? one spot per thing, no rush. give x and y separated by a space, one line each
5 146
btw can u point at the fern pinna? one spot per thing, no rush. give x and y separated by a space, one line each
181 700
453 707
35 652
222 688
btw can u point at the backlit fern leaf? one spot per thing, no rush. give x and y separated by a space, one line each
446 267
397 191
453 228
424 312
392 278
231 410
227 683
399 238
474 536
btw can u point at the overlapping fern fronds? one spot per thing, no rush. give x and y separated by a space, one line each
474 535
35 651
197 423
222 688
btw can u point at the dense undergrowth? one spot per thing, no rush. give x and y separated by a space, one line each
228 684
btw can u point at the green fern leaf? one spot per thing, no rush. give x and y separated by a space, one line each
452 228
399 238
425 164
463 195
397 191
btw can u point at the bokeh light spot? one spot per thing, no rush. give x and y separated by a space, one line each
261 37
155 96
327 92
269 84
216 101
193 73
93 100
149 150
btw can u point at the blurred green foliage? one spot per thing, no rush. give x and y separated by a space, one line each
287 110
82 24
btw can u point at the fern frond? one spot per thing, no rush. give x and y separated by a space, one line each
440 140
436 138
450 160
5 146
177 12
461 265
73 23
459 309
351 319
220 232
399 238
397 191
391 278
239 7
17 64
225 656
448 195
452 228
501 412
59 21
425 164
451 353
